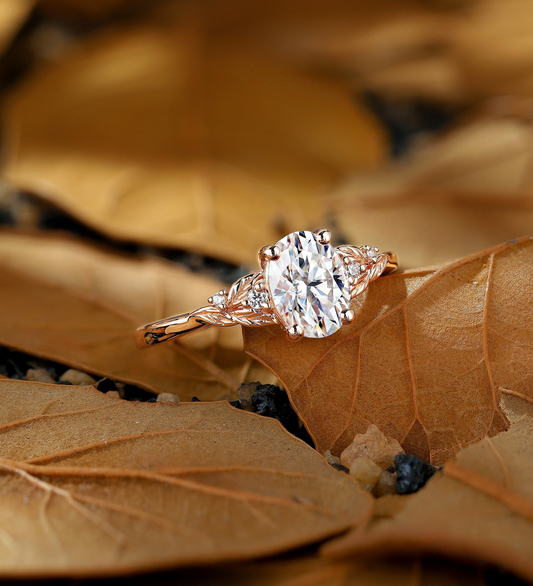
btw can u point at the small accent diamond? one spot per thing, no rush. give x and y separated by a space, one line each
371 251
354 269
219 300
257 299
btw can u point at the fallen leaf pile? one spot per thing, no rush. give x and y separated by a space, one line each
149 150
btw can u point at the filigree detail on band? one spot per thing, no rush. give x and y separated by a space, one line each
248 302
371 264
238 309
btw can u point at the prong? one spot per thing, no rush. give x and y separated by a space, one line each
258 286
323 236
347 315
210 300
392 263
223 292
295 333
268 253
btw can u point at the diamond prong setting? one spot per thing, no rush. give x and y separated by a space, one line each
258 299
347 315
295 333
219 299
308 285
267 254
323 236
305 287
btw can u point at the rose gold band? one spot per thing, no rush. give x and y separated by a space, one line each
392 263
168 329
237 308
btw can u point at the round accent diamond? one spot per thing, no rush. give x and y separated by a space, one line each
308 285
257 299
219 300
371 251
354 269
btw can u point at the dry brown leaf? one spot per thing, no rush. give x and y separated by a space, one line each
492 49
92 485
461 57
79 305
161 136
467 190
425 358
402 49
480 509
13 13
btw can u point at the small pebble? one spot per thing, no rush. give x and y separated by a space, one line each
373 444
271 401
195 400
341 468
167 398
245 392
77 377
113 394
412 473
386 484
366 472
331 459
40 375
236 404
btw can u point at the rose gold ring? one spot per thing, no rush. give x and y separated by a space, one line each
305 286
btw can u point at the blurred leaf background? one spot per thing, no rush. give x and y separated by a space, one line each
214 127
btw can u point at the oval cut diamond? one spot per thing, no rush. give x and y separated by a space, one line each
308 285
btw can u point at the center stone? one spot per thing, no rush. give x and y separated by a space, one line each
308 285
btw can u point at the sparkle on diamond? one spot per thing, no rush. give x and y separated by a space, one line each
257 298
219 300
354 268
308 285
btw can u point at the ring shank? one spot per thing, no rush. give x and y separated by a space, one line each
392 263
168 329
185 324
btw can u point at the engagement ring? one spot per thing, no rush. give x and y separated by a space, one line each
305 286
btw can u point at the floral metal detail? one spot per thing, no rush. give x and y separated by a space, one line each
249 301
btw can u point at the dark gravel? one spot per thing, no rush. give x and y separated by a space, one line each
411 473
